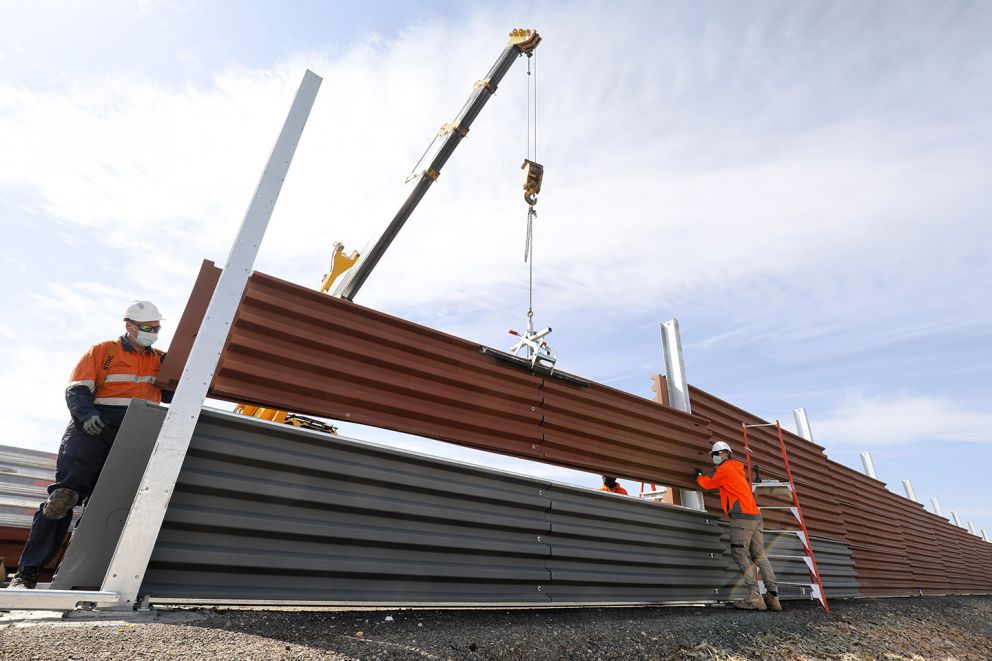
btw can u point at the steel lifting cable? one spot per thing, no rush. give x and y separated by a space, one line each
531 213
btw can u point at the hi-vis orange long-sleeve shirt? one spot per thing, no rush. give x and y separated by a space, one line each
735 491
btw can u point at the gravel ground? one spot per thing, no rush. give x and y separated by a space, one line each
890 629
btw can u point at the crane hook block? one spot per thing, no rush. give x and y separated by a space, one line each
525 40
534 173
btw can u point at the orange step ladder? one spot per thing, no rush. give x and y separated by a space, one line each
771 487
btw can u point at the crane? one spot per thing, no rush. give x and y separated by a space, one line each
522 42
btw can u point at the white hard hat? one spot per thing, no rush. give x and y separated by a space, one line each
142 311
719 446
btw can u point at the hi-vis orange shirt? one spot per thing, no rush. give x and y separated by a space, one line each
116 373
735 491
618 489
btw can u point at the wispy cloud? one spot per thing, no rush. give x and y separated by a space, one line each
901 419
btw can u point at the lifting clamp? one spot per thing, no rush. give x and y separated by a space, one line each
538 349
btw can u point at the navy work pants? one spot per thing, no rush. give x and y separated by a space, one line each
81 458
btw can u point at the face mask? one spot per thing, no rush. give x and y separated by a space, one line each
146 339
717 459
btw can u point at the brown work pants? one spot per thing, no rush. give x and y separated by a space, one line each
747 546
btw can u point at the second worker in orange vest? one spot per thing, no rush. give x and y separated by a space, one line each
747 543
610 484
103 383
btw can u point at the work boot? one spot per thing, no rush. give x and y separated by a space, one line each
753 602
26 578
772 602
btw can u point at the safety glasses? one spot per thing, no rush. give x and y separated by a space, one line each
146 328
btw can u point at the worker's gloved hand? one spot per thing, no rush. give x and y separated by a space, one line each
94 425
699 471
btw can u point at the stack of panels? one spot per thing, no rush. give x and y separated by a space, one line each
295 349
24 479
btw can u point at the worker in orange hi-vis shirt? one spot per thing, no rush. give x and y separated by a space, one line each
610 484
104 382
747 543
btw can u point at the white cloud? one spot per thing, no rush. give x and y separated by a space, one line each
903 418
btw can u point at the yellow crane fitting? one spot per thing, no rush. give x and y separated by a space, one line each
339 264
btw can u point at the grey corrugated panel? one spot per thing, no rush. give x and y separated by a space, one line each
614 549
268 512
24 478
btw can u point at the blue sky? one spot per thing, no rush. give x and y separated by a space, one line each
804 186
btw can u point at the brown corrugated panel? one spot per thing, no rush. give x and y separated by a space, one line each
296 349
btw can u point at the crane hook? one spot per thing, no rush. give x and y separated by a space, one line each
533 175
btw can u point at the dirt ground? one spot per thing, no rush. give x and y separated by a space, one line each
957 628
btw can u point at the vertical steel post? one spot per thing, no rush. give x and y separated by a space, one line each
802 424
130 560
678 393
936 506
971 528
868 464
957 519
907 486
678 386
985 535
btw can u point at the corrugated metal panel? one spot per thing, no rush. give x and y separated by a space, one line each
265 512
609 548
24 479
296 349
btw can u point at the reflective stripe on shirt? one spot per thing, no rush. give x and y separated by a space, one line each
130 378
86 382
114 401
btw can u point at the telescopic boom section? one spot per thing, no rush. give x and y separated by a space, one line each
522 42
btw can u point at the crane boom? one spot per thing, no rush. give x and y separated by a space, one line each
522 42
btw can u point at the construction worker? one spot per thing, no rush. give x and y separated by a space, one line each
610 484
747 544
103 383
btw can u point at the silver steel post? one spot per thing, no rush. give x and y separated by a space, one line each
936 506
130 560
802 424
957 519
985 535
971 528
678 393
868 464
678 386
908 488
